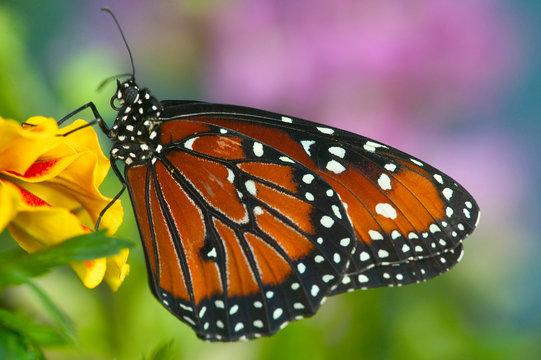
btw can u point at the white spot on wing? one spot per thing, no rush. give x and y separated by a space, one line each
250 186
338 151
336 211
325 130
258 149
286 159
383 253
384 182
335 167
306 146
375 235
230 175
438 178
386 210
416 162
447 193
308 178
371 146
287 119
327 221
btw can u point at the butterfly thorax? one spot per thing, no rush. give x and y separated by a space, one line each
134 134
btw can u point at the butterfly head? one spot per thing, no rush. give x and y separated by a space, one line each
129 97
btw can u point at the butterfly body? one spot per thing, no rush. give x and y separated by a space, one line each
250 219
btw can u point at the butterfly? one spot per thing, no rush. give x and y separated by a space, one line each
250 219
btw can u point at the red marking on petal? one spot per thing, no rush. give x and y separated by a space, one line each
31 199
37 169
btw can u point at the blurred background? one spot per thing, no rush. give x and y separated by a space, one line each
457 84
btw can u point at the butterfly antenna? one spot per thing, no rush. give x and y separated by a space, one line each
106 9
111 78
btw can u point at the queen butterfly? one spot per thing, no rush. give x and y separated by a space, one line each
250 219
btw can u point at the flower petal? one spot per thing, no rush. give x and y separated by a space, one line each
91 272
21 146
117 269
10 198
69 174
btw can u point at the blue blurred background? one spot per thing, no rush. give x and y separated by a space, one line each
455 83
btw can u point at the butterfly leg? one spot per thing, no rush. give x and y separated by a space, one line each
116 197
97 119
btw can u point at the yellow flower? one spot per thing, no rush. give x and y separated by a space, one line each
49 191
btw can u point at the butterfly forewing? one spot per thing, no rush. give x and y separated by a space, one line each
402 210
240 238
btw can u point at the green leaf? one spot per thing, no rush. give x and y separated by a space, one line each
14 345
41 334
164 351
58 317
17 267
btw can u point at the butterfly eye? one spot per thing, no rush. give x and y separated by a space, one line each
131 95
